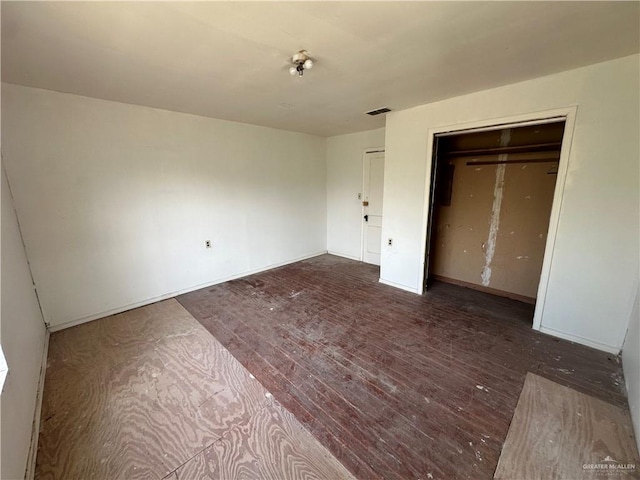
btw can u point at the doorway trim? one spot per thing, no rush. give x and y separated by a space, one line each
566 114
364 159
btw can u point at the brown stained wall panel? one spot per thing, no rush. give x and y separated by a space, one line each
461 235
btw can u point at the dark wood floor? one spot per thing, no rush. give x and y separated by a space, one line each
394 384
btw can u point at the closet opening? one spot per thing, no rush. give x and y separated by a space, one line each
492 193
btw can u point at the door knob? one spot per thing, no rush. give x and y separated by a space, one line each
366 218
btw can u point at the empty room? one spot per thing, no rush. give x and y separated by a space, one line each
320 240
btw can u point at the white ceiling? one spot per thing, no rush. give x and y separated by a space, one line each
229 60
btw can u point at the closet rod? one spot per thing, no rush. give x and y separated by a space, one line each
518 148
507 162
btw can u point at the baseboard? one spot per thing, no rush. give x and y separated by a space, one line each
481 288
581 340
149 301
344 255
400 286
35 431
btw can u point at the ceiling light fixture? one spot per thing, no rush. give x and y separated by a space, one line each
301 61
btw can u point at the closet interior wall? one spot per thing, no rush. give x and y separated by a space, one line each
493 196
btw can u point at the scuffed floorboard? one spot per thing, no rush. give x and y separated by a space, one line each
395 385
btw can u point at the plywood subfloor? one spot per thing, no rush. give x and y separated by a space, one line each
150 394
395 385
559 434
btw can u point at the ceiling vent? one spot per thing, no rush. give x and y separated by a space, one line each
378 111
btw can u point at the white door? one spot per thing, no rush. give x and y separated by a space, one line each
372 207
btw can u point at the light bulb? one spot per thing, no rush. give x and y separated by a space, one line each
308 64
292 71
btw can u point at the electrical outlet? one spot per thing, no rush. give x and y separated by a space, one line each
390 242
207 244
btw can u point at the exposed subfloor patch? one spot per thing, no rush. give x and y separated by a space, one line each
150 394
558 433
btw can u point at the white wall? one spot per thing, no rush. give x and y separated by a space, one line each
116 201
631 365
22 333
345 155
595 260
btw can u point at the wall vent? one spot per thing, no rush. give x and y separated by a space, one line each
378 111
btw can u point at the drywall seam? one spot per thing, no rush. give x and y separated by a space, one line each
33 448
131 306
494 223
615 350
